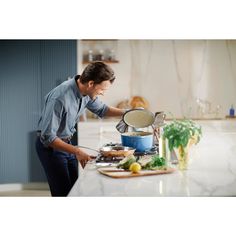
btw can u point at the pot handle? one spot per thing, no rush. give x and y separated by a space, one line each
159 119
122 127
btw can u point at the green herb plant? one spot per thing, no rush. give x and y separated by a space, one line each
156 163
180 135
180 132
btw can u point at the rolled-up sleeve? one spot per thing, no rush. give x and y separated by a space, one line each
98 107
51 121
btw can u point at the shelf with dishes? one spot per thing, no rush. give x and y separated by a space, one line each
105 61
99 50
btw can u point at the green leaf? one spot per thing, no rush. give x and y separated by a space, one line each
179 132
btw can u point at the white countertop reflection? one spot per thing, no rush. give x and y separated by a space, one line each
211 172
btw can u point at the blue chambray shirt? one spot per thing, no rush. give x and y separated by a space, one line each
62 108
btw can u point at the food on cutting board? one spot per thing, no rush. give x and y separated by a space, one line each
126 162
135 167
144 163
153 163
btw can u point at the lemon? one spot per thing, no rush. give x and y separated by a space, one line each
135 167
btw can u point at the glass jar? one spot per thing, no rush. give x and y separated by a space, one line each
90 55
100 56
111 55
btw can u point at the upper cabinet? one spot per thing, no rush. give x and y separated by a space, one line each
99 50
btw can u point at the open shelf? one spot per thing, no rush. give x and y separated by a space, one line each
105 61
99 50
230 117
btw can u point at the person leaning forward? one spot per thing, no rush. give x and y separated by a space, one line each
63 106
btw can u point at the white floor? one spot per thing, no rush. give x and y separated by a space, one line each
25 193
24 190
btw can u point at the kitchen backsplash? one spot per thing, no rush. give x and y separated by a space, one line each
191 78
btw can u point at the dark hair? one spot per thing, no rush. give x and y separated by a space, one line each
98 72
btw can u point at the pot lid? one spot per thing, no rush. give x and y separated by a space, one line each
139 118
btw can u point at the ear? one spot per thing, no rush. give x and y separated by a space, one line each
90 83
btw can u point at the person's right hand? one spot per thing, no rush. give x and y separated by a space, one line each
82 157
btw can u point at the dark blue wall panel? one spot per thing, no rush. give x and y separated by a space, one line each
58 62
28 70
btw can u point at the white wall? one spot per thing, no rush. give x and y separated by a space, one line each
172 74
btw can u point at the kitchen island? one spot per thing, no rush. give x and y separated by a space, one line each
211 172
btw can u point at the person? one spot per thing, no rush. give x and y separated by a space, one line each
62 108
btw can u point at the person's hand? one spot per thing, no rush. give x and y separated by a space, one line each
82 157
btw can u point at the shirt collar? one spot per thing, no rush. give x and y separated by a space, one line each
75 88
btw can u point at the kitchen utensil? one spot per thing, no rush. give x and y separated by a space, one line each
116 173
141 141
135 118
92 149
113 151
116 151
122 126
139 118
159 119
102 165
158 122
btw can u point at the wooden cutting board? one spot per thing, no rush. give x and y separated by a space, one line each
119 173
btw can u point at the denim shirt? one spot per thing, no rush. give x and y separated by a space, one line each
62 108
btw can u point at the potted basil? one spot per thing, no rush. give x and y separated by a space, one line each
181 134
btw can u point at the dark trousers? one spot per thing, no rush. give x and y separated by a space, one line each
61 169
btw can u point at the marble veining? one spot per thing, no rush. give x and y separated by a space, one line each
211 172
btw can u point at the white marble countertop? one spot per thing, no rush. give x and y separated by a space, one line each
211 172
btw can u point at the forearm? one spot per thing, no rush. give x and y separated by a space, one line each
113 111
59 144
81 156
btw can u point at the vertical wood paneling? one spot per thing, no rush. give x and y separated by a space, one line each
28 70
58 62
20 76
